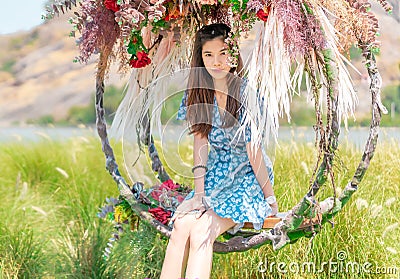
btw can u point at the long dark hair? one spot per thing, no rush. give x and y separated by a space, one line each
201 91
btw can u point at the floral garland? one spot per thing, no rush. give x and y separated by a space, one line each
125 25
162 201
123 22
165 15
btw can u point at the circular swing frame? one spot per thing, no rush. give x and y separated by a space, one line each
307 216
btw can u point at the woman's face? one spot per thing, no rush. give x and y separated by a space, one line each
215 54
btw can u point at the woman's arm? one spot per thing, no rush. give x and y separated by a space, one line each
200 156
260 170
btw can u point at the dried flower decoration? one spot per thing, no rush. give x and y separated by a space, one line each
255 5
162 201
301 28
58 7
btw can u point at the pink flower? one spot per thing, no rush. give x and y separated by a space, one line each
155 194
155 12
255 5
167 186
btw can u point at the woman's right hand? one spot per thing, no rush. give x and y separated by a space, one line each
187 206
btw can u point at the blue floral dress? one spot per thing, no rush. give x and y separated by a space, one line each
230 186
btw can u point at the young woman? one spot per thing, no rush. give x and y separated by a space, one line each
232 181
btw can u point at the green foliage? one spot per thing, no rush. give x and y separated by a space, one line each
8 66
143 250
302 113
49 228
81 247
18 42
58 208
80 114
170 107
391 100
391 94
329 70
87 114
355 53
43 120
22 253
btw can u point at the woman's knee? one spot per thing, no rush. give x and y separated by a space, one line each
181 228
202 233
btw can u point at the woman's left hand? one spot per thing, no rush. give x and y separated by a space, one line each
194 204
274 208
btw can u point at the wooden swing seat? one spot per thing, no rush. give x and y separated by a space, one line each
271 221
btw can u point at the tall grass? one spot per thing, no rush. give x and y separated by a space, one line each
51 192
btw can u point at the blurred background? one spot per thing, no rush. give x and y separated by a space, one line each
41 85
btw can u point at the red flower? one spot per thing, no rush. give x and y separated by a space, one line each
160 214
171 16
111 5
142 60
169 186
263 14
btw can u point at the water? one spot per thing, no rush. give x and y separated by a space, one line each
356 136
31 134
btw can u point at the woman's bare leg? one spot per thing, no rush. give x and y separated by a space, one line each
185 258
202 236
178 248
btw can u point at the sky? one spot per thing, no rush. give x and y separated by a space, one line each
20 15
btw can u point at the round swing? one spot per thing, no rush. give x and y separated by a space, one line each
296 40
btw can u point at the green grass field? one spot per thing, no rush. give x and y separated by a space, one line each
51 191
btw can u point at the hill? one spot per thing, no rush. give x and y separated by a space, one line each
38 76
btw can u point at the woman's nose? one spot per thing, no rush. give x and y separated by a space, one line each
217 61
